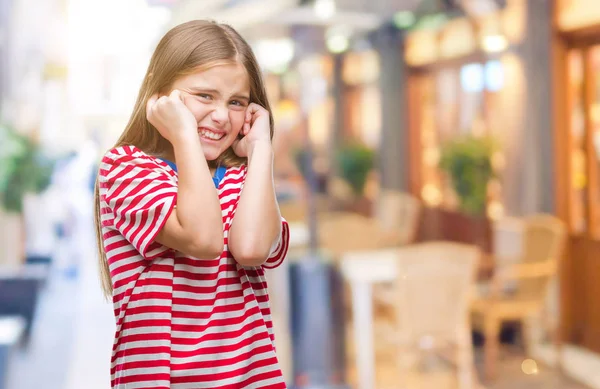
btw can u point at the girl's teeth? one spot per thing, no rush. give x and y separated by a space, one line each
211 135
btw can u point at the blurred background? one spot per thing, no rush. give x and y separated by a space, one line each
438 162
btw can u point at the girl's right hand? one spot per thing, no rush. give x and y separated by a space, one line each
171 117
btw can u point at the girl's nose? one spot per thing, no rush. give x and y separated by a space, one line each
220 114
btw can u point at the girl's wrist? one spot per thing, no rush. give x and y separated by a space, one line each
185 139
260 147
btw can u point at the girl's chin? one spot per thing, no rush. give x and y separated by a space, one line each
212 150
212 153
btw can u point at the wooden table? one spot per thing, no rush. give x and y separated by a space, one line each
362 270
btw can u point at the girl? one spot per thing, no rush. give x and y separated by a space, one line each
187 220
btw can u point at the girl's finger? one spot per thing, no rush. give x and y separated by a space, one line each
259 107
252 110
150 105
176 94
151 101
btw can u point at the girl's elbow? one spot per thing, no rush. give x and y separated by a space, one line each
205 252
208 247
250 261
250 256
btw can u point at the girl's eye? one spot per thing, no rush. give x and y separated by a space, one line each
204 96
237 103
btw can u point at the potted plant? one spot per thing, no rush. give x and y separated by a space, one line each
468 163
355 163
24 169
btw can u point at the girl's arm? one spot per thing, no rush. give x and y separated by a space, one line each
196 226
257 222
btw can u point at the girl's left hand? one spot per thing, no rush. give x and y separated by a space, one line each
256 129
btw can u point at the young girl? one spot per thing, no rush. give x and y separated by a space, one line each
187 220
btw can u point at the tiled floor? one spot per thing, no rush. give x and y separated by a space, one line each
43 362
511 376
440 375
72 335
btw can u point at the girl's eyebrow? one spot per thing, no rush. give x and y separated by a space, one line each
216 92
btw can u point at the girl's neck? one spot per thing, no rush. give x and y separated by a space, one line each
170 156
165 154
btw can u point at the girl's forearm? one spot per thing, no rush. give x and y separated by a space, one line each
198 206
197 228
257 222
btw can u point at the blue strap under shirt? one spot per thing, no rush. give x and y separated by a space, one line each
218 176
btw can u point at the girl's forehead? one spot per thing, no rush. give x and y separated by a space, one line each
225 75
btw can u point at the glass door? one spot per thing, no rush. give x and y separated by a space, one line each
577 151
593 140
584 145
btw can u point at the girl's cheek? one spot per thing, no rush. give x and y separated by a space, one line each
196 108
237 120
237 127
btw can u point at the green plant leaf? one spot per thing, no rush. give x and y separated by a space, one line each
467 161
24 168
355 161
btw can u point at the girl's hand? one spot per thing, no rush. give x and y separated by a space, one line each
256 129
171 116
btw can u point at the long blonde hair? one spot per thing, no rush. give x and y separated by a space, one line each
186 48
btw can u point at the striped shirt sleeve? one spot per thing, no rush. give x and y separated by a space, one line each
140 195
279 250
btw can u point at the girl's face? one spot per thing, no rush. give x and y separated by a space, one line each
218 98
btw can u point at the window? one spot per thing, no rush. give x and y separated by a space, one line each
454 101
584 145
577 152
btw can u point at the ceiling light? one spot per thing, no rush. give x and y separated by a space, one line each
494 43
325 9
404 19
274 55
337 43
337 38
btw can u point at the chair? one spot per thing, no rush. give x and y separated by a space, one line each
398 215
293 210
340 232
434 290
395 223
518 288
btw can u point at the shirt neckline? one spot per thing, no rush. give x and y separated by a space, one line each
217 176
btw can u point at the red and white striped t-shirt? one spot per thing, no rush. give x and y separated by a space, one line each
182 322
